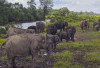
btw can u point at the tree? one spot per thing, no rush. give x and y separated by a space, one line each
64 11
46 5
31 4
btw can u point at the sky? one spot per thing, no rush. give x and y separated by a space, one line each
72 5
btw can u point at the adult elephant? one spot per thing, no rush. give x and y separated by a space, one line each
96 25
51 29
25 44
32 27
14 31
40 26
61 25
71 30
84 24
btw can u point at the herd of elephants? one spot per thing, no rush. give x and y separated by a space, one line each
31 40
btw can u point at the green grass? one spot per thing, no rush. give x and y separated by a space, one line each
65 55
48 23
86 48
79 45
93 56
61 64
2 40
66 64
28 58
4 58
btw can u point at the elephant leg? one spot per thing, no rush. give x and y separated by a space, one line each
49 50
11 63
67 39
72 37
63 28
54 47
97 29
61 39
34 55
88 27
81 28
48 56
60 30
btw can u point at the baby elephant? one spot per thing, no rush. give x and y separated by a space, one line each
64 35
32 27
71 30
40 26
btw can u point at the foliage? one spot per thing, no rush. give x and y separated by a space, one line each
2 31
4 58
64 14
45 5
2 40
10 12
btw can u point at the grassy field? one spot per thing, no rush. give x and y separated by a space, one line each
83 53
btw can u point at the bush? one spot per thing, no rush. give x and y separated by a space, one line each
2 31
2 40
4 58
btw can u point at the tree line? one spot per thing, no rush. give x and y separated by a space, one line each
15 12
65 15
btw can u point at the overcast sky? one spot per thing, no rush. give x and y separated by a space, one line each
73 5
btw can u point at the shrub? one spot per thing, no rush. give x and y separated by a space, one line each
4 58
2 40
2 31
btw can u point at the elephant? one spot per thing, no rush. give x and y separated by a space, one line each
61 25
84 24
96 25
71 30
63 35
14 31
28 44
32 27
55 40
40 26
51 29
